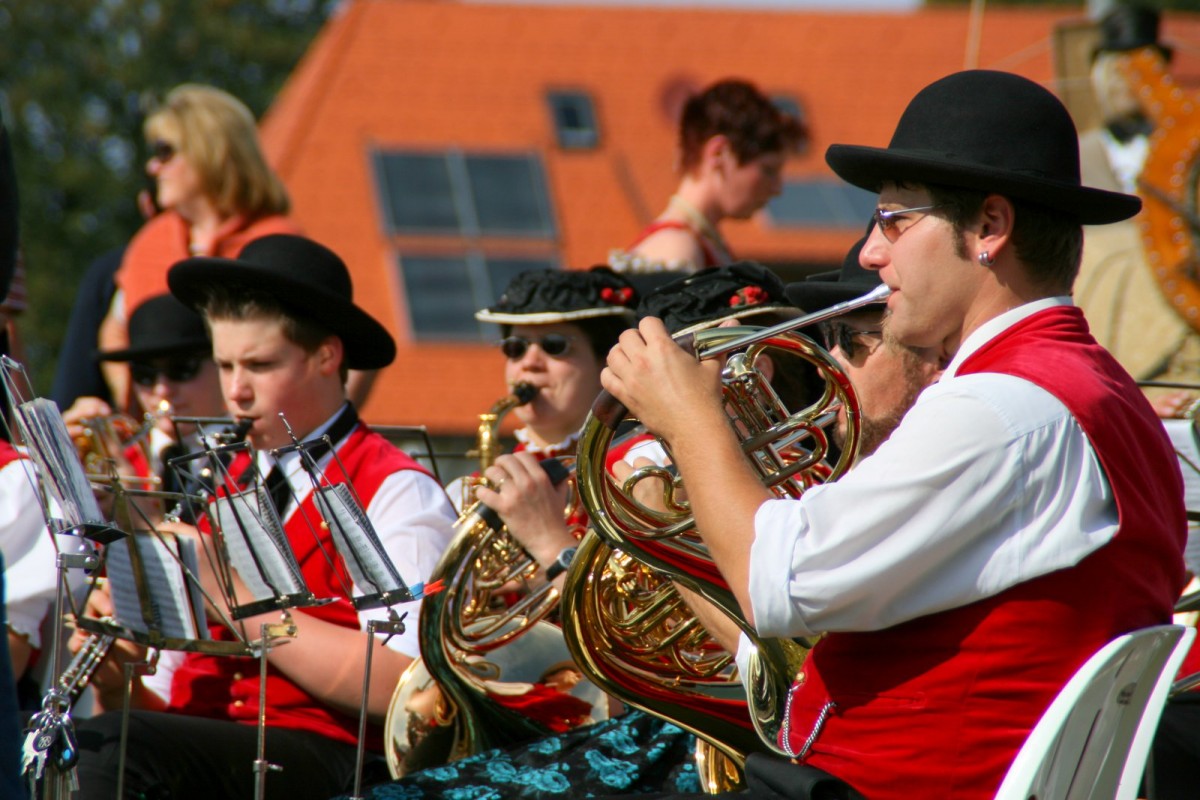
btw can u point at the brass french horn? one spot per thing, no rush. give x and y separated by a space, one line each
626 626
475 642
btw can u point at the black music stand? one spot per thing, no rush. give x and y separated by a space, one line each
70 508
370 567
249 539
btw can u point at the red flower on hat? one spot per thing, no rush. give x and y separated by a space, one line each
616 297
748 296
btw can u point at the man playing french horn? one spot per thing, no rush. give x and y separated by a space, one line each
1006 530
745 293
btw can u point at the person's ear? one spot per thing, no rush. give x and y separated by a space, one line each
993 228
329 355
716 152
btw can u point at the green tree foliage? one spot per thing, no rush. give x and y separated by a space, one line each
76 77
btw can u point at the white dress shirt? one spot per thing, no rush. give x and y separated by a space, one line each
986 483
31 553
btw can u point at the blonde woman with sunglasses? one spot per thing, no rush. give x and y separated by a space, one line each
215 192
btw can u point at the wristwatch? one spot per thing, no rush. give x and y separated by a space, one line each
560 564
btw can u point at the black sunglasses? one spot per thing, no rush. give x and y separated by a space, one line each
555 345
180 370
162 151
842 336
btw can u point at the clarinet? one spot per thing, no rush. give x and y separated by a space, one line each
75 678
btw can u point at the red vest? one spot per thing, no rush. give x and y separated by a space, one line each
939 706
227 687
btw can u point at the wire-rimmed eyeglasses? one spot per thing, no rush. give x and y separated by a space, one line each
888 220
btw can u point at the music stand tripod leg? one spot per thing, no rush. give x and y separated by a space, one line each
391 627
261 765
146 667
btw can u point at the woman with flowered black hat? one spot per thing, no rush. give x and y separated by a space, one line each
556 327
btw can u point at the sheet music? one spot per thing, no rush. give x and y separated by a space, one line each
257 546
1187 447
1183 438
356 540
174 602
45 434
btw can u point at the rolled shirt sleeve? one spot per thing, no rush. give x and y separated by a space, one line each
954 507
415 521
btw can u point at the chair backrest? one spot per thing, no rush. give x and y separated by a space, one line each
1093 740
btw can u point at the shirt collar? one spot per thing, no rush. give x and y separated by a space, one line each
996 326
566 445
289 461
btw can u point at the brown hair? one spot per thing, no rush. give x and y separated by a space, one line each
239 303
1049 243
737 110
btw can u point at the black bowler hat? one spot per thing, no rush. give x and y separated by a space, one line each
824 289
716 294
161 326
308 279
992 132
1130 27
544 296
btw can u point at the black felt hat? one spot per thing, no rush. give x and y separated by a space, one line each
308 279
712 295
1130 27
162 326
989 131
544 296
824 289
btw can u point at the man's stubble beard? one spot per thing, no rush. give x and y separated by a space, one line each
874 430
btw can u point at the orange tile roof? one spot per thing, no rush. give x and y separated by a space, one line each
412 74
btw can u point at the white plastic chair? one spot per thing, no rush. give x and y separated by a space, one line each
1093 741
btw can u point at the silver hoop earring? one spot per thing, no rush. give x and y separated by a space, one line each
985 259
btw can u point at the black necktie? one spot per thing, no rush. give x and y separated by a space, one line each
276 482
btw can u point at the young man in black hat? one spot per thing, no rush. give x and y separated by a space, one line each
285 330
1007 529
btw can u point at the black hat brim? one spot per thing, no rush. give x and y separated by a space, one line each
366 343
870 167
184 347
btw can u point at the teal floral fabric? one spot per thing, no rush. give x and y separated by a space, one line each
635 753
